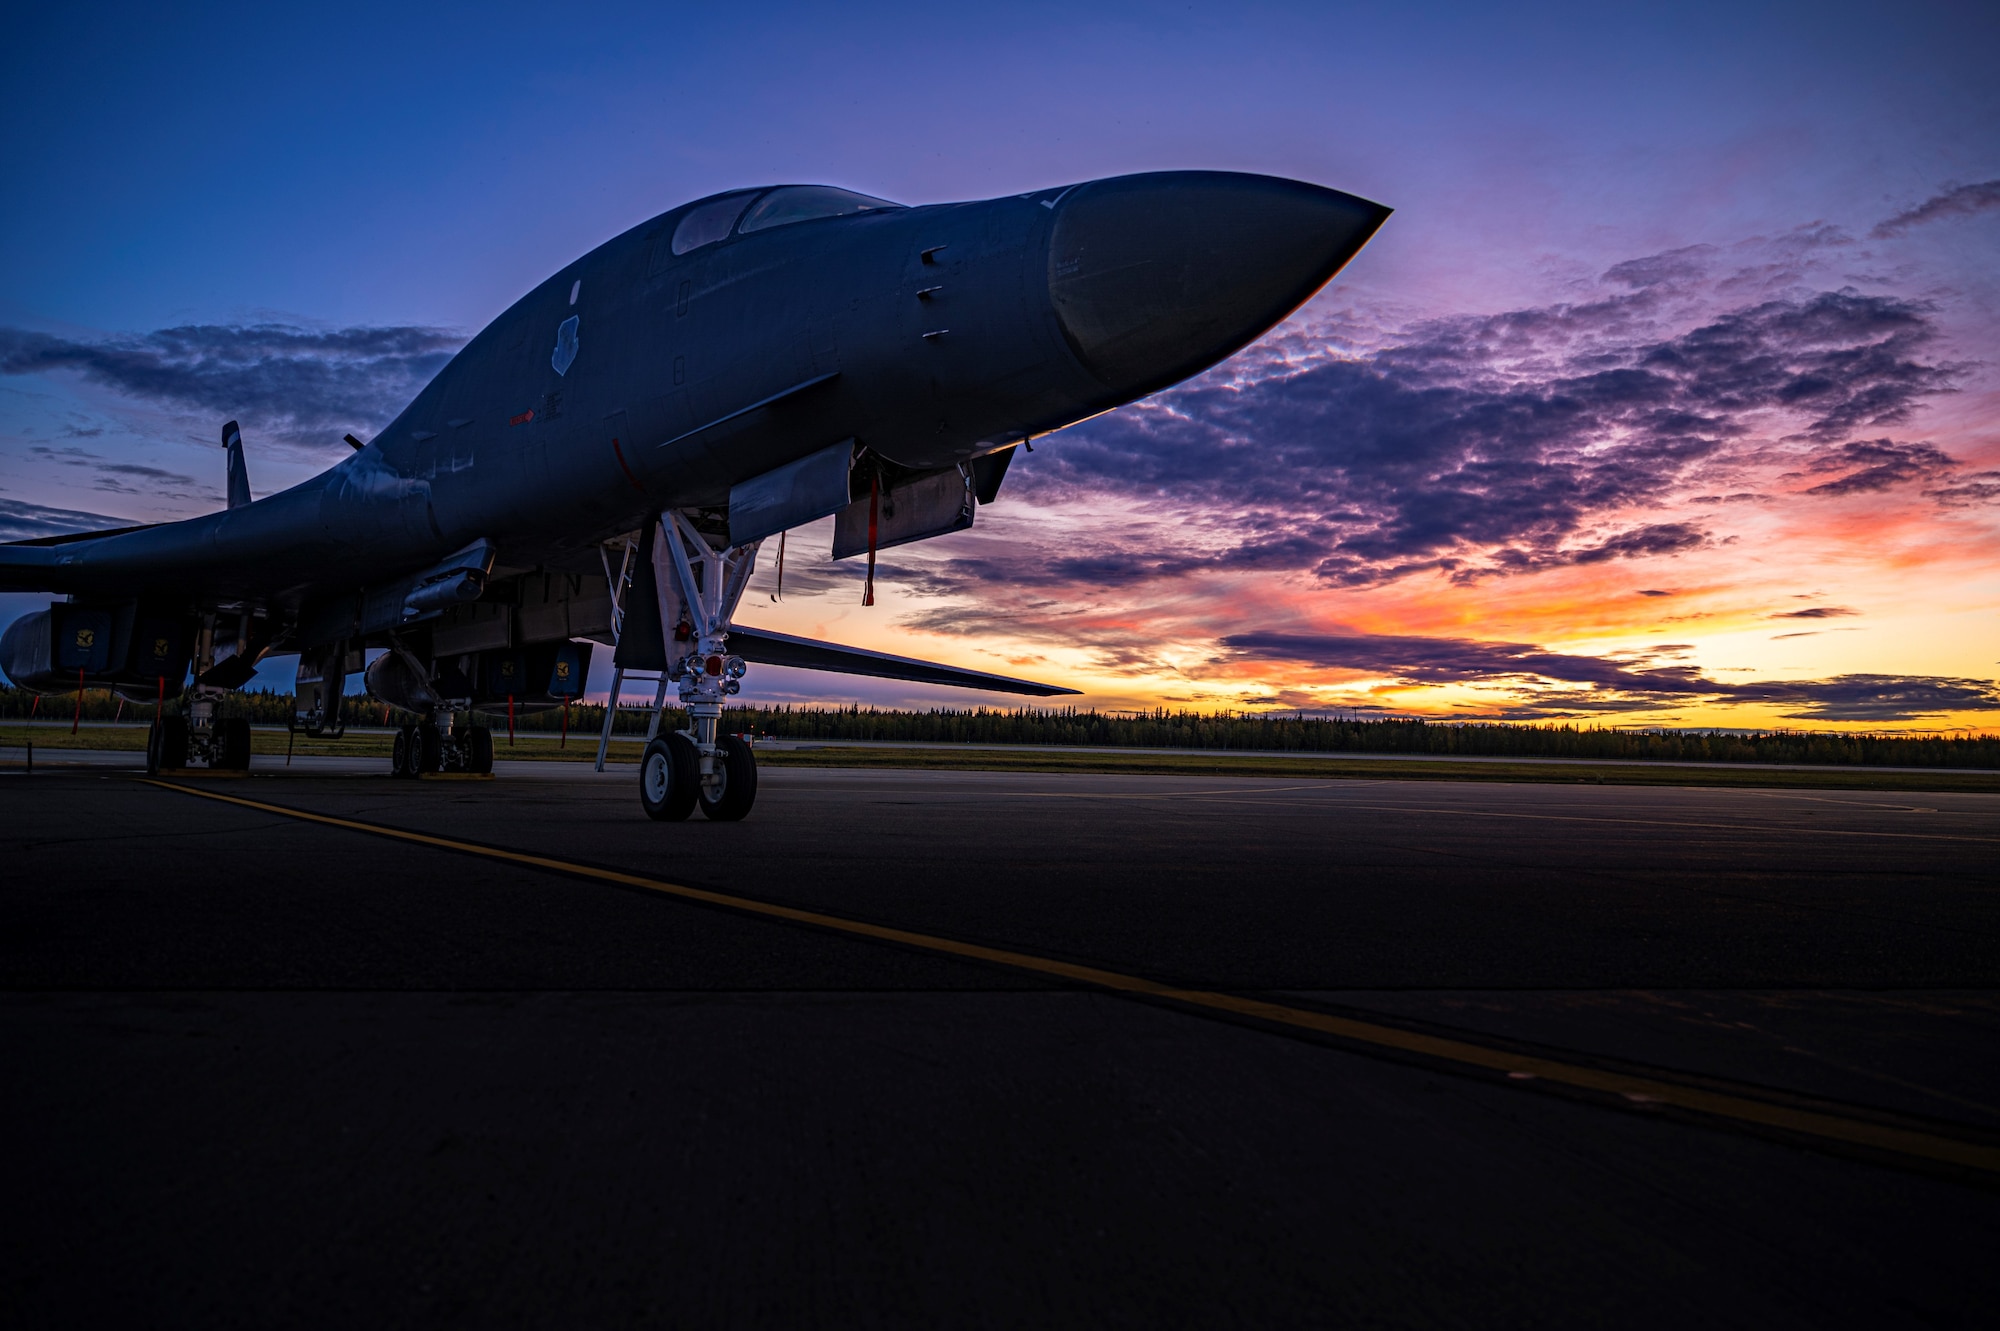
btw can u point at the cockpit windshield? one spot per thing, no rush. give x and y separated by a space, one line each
709 222
804 203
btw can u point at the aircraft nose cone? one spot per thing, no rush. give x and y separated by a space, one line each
1155 277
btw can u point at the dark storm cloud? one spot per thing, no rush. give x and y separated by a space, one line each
1956 201
1489 445
1611 684
296 385
22 521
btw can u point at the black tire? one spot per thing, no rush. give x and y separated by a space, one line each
173 743
233 736
731 789
669 778
430 749
399 755
479 750
153 749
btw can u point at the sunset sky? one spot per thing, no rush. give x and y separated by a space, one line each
1670 394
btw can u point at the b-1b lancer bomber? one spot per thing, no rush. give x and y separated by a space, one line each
602 464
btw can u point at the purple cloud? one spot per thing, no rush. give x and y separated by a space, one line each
1608 684
293 385
1955 201
1878 464
1817 612
1979 487
22 521
1480 446
1420 660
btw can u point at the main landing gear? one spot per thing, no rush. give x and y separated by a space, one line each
200 739
699 588
173 745
436 745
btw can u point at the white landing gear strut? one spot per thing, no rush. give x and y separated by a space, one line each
699 586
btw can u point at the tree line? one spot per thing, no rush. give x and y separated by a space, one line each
1158 729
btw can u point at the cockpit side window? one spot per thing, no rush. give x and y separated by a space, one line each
709 223
804 203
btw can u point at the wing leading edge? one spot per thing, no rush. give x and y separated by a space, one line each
764 647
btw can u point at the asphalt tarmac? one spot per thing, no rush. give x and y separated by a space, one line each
969 1049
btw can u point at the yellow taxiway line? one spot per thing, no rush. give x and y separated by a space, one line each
1525 1067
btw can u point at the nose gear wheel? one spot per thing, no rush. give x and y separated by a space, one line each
730 787
669 778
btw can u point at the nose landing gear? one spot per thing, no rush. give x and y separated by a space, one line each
700 584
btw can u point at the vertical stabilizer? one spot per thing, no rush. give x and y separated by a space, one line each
239 476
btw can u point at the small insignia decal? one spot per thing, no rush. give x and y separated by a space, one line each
565 346
86 637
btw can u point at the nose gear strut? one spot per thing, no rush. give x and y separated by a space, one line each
700 585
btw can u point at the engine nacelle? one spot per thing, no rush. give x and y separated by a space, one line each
397 678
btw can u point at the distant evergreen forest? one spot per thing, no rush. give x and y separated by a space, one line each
1162 729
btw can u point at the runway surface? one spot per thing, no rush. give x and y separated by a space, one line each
995 1048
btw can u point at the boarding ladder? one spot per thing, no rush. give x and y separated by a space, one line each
628 547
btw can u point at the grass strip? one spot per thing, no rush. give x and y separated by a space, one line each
132 739
1377 769
544 748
